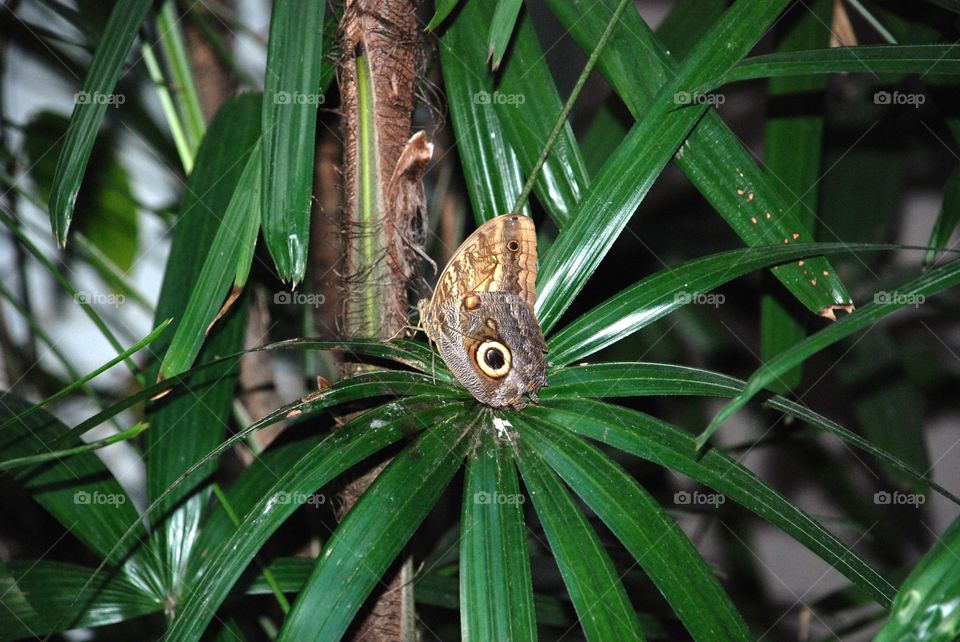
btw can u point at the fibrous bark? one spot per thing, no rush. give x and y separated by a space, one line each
382 165
382 225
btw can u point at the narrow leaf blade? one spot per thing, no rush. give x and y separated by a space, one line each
494 547
947 219
641 524
628 174
501 28
712 157
792 150
336 453
592 582
663 444
911 293
41 597
928 60
659 294
927 604
91 106
290 99
219 270
379 525
491 169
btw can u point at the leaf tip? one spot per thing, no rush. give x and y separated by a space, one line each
701 441
829 312
492 59
234 294
163 393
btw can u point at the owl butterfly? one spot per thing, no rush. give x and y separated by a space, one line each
481 314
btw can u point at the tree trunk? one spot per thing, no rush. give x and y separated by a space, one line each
382 225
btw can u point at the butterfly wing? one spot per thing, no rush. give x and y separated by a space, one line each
500 256
495 349
481 315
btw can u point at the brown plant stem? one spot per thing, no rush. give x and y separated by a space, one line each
381 226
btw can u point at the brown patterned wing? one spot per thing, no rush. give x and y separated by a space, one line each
500 256
481 315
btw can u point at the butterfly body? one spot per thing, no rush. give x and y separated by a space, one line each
481 315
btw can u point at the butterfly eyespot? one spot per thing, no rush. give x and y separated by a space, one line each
493 358
513 246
